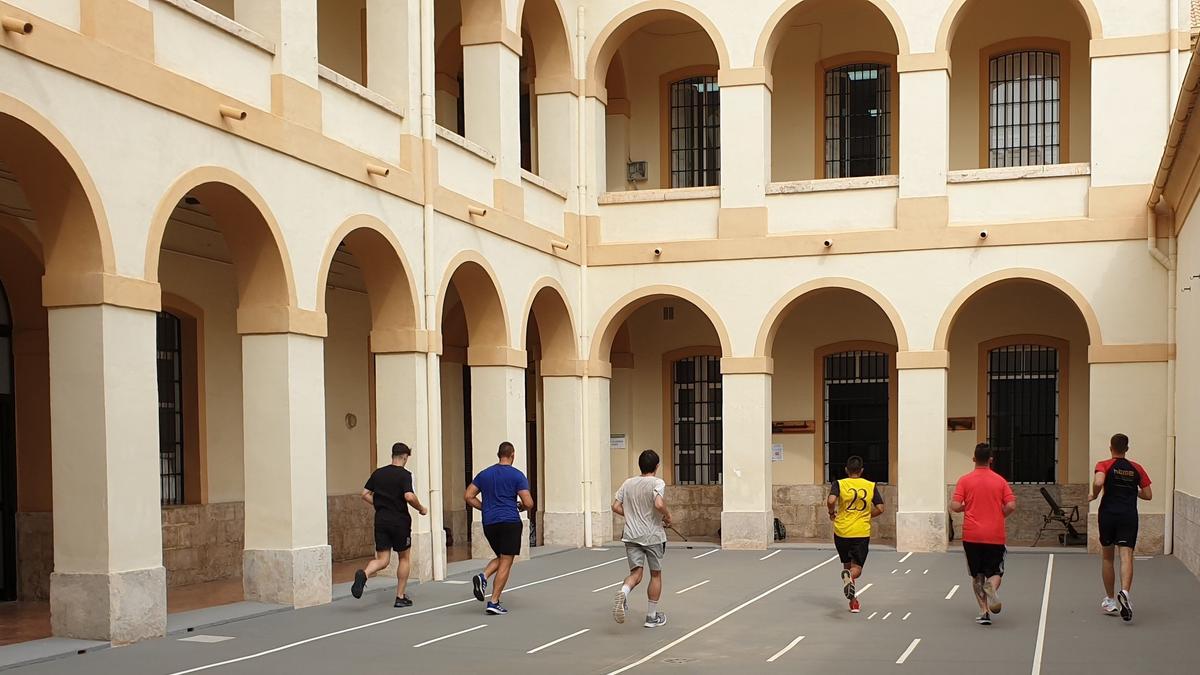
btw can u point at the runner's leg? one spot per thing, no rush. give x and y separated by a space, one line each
503 567
1126 568
403 565
1107 572
381 561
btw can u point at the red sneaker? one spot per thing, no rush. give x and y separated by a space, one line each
854 606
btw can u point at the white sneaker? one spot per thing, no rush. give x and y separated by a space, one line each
620 603
659 619
1109 606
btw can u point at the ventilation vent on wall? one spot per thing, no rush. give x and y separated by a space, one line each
668 313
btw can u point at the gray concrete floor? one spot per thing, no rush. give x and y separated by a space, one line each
749 610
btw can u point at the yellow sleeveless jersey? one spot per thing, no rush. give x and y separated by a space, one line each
855 498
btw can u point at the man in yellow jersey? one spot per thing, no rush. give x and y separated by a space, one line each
853 502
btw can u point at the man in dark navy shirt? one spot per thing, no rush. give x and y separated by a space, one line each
390 491
1123 483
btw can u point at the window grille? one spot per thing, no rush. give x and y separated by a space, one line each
170 407
696 420
858 120
856 413
695 124
1022 413
1024 109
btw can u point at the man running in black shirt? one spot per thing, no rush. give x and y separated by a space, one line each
390 491
1123 482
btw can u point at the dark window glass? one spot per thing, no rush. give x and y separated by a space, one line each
1024 107
170 407
856 413
695 132
1022 413
858 120
696 420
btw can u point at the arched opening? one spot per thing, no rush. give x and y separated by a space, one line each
449 110
665 394
833 396
835 100
547 87
1021 91
8 455
672 123
1019 380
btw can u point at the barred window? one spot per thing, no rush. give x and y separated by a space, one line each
858 120
1024 108
856 413
1023 411
696 420
695 121
170 407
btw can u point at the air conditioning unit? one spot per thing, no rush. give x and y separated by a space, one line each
635 172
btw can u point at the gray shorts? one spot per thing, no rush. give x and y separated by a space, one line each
645 556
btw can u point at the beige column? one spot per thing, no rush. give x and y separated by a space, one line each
491 78
921 513
292 26
924 147
600 489
562 508
599 147
108 581
287 560
393 52
746 514
745 160
497 415
558 126
400 416
1113 408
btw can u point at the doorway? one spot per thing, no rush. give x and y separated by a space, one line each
8 458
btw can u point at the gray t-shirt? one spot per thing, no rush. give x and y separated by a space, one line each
643 523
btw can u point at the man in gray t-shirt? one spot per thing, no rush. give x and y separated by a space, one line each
641 502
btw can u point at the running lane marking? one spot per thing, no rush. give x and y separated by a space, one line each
1041 638
685 590
292 645
885 616
905 617
895 570
909 651
719 619
863 590
457 582
561 639
697 557
772 554
952 592
597 590
925 572
872 616
786 649
447 637
906 556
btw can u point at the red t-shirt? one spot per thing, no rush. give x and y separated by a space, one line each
984 493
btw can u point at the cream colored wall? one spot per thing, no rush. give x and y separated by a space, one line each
989 23
347 391
340 37
1022 308
819 320
1187 373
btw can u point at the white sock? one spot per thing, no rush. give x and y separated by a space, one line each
651 610
625 589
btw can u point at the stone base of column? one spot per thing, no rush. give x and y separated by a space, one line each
602 528
481 550
421 557
921 531
120 607
300 577
562 529
746 530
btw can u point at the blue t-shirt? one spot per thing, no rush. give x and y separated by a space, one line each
500 484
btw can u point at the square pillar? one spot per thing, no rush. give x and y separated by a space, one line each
287 560
497 415
400 416
108 581
562 508
492 108
394 53
557 142
599 146
921 515
746 513
745 160
924 148
600 490
292 26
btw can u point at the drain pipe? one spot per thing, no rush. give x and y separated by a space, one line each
584 338
432 376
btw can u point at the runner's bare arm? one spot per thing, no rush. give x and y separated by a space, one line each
411 498
831 506
368 497
1097 486
876 510
618 508
472 497
660 505
1010 508
526 500
1145 493
957 506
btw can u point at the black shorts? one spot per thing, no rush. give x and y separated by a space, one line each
504 538
393 536
1118 529
852 549
985 559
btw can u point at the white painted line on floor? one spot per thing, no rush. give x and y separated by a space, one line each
786 649
909 651
602 588
885 616
862 590
906 556
907 571
697 557
872 616
685 590
905 617
1041 638
772 554
561 639
925 572
895 570
455 582
719 619
206 639
398 617
952 592
447 637
600 550
1143 557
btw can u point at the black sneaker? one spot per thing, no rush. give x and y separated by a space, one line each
479 586
1126 606
360 582
984 619
403 601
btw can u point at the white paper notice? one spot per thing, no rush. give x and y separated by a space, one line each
777 452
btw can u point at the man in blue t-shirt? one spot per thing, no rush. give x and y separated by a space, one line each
505 492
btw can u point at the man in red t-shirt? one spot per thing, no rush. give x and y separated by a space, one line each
1123 483
985 499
